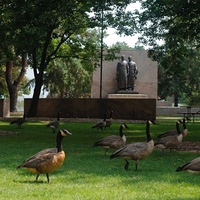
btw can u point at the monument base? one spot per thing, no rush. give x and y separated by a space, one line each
127 96
127 92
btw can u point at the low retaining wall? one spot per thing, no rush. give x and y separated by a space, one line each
136 109
174 111
4 108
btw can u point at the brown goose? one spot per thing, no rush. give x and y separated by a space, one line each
174 132
170 132
48 160
109 121
192 166
171 141
136 151
54 125
113 141
19 121
100 125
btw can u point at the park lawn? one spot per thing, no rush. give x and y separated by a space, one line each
89 175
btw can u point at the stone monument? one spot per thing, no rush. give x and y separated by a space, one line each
126 76
145 84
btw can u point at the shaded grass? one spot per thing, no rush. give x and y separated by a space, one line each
87 173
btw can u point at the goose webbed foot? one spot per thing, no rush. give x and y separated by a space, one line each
126 165
37 177
105 152
47 177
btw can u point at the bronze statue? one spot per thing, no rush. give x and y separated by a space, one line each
132 74
122 73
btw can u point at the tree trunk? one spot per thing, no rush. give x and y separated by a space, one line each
14 85
34 102
13 91
175 100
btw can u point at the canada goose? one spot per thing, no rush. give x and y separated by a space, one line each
101 125
185 130
109 121
170 132
174 132
192 166
113 141
48 160
136 151
54 125
171 141
19 121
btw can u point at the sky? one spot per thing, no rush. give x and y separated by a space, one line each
113 37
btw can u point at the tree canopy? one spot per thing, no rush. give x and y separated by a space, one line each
42 28
171 29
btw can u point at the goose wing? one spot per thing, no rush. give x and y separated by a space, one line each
108 140
131 150
37 161
169 141
168 133
53 124
193 165
45 151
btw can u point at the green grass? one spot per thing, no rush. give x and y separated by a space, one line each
86 173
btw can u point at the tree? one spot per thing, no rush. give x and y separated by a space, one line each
67 79
42 27
10 55
175 24
160 20
14 85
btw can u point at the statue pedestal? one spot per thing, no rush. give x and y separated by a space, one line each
126 92
127 96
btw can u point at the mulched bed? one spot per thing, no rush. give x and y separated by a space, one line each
189 146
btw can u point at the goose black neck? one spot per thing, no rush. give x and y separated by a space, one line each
148 131
121 131
184 125
59 138
177 128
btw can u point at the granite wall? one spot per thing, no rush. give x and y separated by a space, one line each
133 109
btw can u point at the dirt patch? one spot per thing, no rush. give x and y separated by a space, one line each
189 146
3 133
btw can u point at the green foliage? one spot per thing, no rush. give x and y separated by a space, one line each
178 72
177 20
49 30
87 173
67 78
175 24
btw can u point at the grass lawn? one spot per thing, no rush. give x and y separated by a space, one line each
89 175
